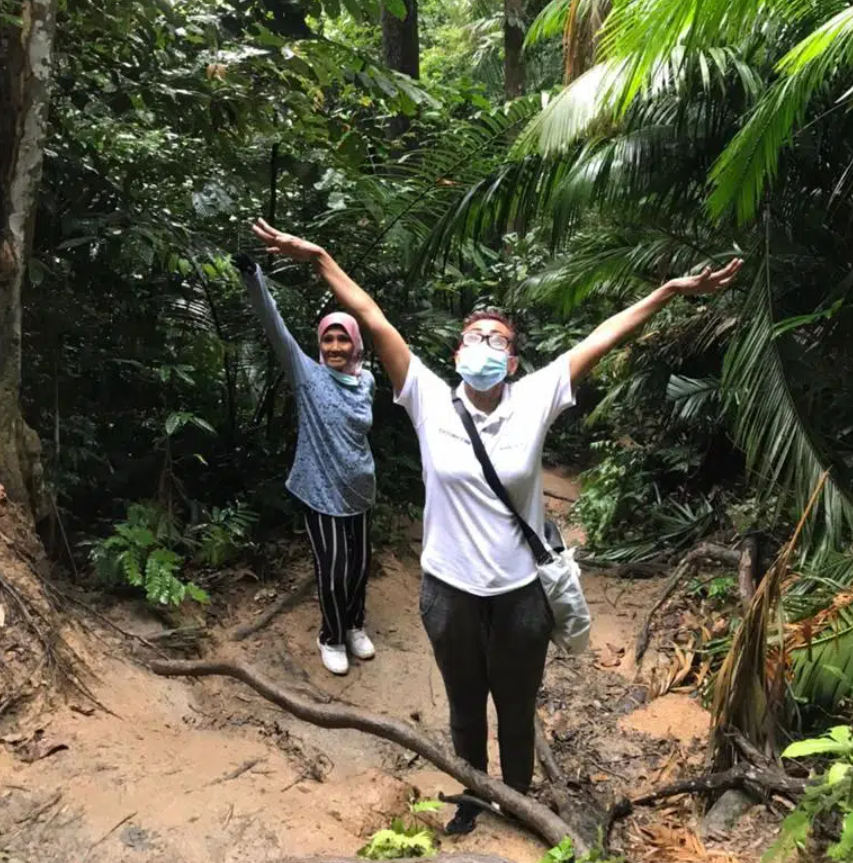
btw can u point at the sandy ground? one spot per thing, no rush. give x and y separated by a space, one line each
208 772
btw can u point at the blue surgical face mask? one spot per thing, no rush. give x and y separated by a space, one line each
482 367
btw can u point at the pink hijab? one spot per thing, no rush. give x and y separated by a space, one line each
349 323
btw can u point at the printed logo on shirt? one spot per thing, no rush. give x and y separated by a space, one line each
448 433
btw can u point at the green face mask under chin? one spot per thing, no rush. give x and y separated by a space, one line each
348 380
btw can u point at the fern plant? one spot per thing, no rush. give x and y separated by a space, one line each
137 553
223 535
830 794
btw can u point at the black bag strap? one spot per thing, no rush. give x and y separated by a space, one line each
540 551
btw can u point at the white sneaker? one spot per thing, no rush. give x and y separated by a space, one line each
360 646
334 657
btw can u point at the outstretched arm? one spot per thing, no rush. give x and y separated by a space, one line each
392 349
290 355
585 355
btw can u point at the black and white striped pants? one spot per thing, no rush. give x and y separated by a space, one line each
341 546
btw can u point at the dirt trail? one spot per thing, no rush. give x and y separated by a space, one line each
207 771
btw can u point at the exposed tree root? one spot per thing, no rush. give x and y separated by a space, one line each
747 571
586 816
703 551
761 781
633 569
58 659
534 815
283 603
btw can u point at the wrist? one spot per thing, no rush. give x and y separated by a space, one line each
667 292
321 259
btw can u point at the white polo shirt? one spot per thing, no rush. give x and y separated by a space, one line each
471 541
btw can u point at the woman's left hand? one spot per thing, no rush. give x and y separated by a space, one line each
708 281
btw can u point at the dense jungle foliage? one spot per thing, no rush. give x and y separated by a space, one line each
627 142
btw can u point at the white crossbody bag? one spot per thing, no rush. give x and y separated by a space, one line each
559 573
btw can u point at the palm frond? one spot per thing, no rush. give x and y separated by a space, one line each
692 398
592 104
428 192
630 390
609 261
589 101
551 21
820 643
752 158
783 450
648 31
823 671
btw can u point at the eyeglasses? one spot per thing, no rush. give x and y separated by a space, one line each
494 340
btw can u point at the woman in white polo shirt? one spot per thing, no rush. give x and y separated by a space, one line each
481 602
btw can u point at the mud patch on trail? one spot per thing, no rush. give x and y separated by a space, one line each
672 715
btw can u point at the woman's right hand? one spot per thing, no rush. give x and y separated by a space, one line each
279 243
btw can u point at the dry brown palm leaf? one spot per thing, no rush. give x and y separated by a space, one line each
676 671
672 843
800 634
747 691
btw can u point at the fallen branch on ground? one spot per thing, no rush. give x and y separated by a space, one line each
703 551
632 569
546 757
283 603
539 818
757 780
557 496
747 571
556 777
586 815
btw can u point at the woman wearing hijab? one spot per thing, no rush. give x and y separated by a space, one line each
333 472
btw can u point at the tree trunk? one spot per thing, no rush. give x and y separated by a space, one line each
401 47
580 40
514 48
24 101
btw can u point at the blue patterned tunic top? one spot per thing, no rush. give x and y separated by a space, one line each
333 470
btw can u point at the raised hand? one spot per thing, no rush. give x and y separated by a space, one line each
279 243
708 281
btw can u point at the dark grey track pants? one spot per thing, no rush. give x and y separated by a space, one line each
491 644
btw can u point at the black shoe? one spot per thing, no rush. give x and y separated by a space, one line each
464 821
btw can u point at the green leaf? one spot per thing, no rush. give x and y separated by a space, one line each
175 421
37 272
841 744
805 320
843 849
426 806
202 424
562 853
795 831
837 772
196 593
841 734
